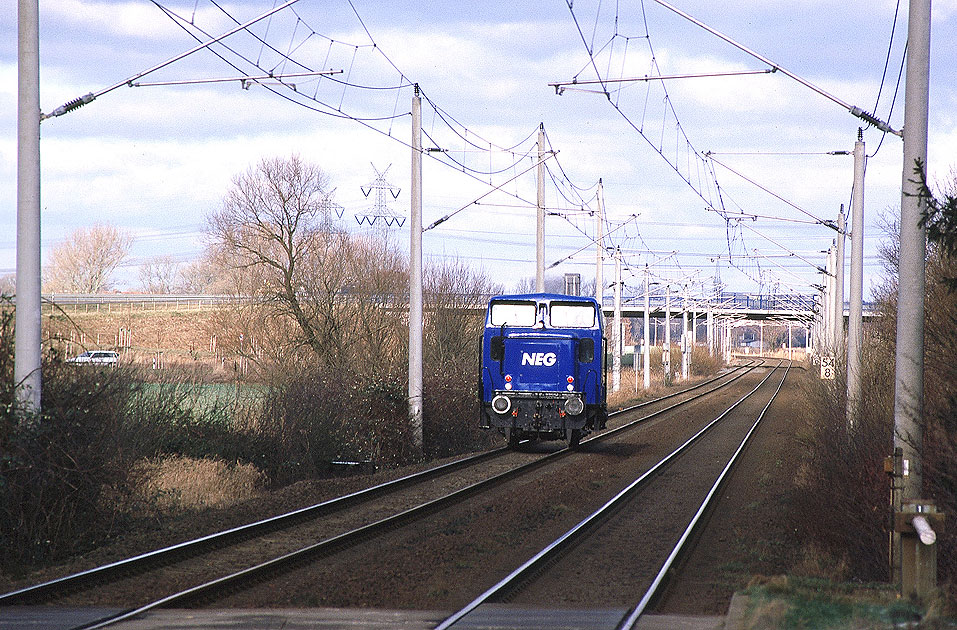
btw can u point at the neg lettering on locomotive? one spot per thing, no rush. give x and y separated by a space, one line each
543 368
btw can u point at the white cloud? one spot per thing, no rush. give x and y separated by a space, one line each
149 157
123 19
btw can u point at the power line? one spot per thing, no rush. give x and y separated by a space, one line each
853 109
441 156
817 220
706 186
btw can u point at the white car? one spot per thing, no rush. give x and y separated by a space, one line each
96 357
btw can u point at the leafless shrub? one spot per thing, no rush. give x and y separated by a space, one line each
57 467
160 275
940 406
843 489
703 363
455 298
315 418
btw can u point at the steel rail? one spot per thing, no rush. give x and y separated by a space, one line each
686 390
631 424
536 563
336 543
189 548
631 621
330 545
242 532
215 587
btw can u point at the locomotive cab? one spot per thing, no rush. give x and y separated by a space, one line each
543 368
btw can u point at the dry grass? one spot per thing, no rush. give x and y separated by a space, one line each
794 602
183 483
626 394
814 562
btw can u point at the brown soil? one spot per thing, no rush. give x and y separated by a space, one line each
446 560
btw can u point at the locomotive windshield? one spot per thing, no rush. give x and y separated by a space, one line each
572 315
513 314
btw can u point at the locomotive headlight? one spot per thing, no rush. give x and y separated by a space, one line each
573 406
501 404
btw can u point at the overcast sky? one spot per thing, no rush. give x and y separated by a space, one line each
155 160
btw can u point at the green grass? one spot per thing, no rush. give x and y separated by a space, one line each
204 399
798 603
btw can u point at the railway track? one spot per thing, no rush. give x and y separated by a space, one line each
330 543
616 528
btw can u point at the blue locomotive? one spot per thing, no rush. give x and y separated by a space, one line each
543 368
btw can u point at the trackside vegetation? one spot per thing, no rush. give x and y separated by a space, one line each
74 476
319 349
843 484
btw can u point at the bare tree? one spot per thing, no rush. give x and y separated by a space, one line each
456 296
525 285
211 273
274 232
85 262
269 226
553 284
8 284
160 275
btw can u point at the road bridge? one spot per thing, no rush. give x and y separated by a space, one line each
736 306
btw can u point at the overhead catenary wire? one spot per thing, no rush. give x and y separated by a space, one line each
588 245
94 95
451 125
771 240
900 74
714 198
322 107
448 216
337 111
560 86
639 128
853 109
816 219
568 194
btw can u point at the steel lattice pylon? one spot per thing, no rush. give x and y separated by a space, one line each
380 210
